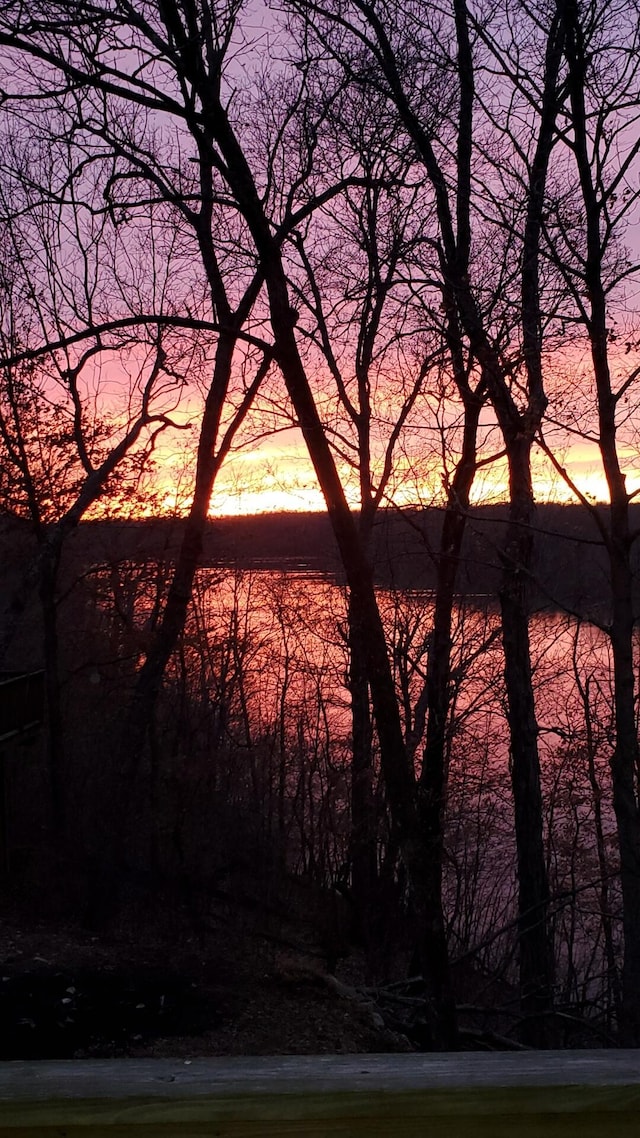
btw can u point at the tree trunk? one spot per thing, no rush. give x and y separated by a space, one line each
49 564
364 857
625 761
624 771
536 950
434 775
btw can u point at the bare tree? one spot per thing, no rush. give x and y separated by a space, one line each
357 257
388 50
587 232
64 439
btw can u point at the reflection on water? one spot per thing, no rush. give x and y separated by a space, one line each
257 717
294 624
295 671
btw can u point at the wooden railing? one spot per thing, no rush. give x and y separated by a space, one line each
588 1094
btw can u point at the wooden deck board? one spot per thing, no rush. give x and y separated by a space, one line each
581 1094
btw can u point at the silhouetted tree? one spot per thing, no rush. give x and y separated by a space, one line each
388 50
588 228
63 439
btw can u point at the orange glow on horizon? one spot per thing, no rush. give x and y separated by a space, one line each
280 479
269 470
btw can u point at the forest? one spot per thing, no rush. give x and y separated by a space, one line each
402 236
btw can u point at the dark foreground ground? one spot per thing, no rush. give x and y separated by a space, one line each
66 993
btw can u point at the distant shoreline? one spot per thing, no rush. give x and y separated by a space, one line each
571 564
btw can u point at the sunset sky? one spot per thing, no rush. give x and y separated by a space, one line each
278 476
274 473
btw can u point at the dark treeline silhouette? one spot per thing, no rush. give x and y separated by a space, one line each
570 570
